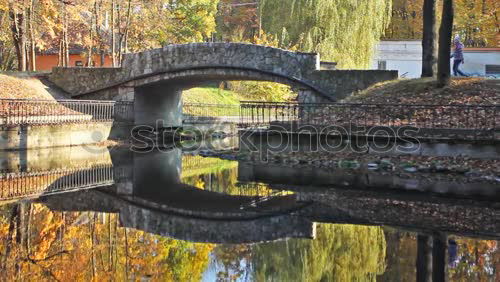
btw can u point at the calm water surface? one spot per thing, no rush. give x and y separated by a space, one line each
79 214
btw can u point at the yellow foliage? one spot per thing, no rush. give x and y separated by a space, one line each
87 246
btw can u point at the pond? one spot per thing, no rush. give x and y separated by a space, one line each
88 213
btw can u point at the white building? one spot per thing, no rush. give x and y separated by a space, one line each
406 57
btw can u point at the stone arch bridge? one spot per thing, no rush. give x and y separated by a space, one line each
155 79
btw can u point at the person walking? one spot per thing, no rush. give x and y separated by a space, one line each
458 56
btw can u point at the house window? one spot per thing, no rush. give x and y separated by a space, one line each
492 70
382 65
79 63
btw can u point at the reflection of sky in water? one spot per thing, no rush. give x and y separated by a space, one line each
214 268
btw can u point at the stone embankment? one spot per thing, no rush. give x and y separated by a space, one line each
456 169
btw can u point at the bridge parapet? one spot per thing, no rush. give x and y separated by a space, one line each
198 62
227 55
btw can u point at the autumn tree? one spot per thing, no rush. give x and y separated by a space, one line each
29 19
406 21
7 55
478 22
237 20
38 244
474 260
344 31
124 16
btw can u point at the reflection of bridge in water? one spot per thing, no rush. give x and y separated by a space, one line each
34 184
414 204
215 227
148 193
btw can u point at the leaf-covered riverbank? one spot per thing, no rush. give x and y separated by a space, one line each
462 91
456 169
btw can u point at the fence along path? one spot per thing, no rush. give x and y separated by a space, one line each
478 122
447 121
24 112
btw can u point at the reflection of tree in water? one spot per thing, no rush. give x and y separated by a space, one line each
39 244
225 181
401 256
476 261
234 261
339 253
209 173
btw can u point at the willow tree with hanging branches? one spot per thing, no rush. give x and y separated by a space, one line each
344 31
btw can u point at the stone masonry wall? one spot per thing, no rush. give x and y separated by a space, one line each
220 60
187 56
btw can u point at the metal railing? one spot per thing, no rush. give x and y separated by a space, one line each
34 184
478 120
198 112
263 193
124 111
19 112
264 113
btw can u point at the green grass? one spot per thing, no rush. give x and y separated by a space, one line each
197 165
211 95
242 91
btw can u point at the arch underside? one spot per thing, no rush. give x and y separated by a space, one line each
188 78
187 226
158 96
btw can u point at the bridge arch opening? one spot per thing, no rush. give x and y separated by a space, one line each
158 98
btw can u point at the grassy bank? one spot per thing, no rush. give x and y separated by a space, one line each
211 95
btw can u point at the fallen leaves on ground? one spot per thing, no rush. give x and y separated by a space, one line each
461 91
38 101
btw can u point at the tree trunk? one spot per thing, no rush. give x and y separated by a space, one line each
91 35
103 57
429 40
445 32
424 258
259 10
60 62
19 36
92 247
32 51
66 48
119 32
66 42
439 246
63 45
123 37
112 29
98 9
